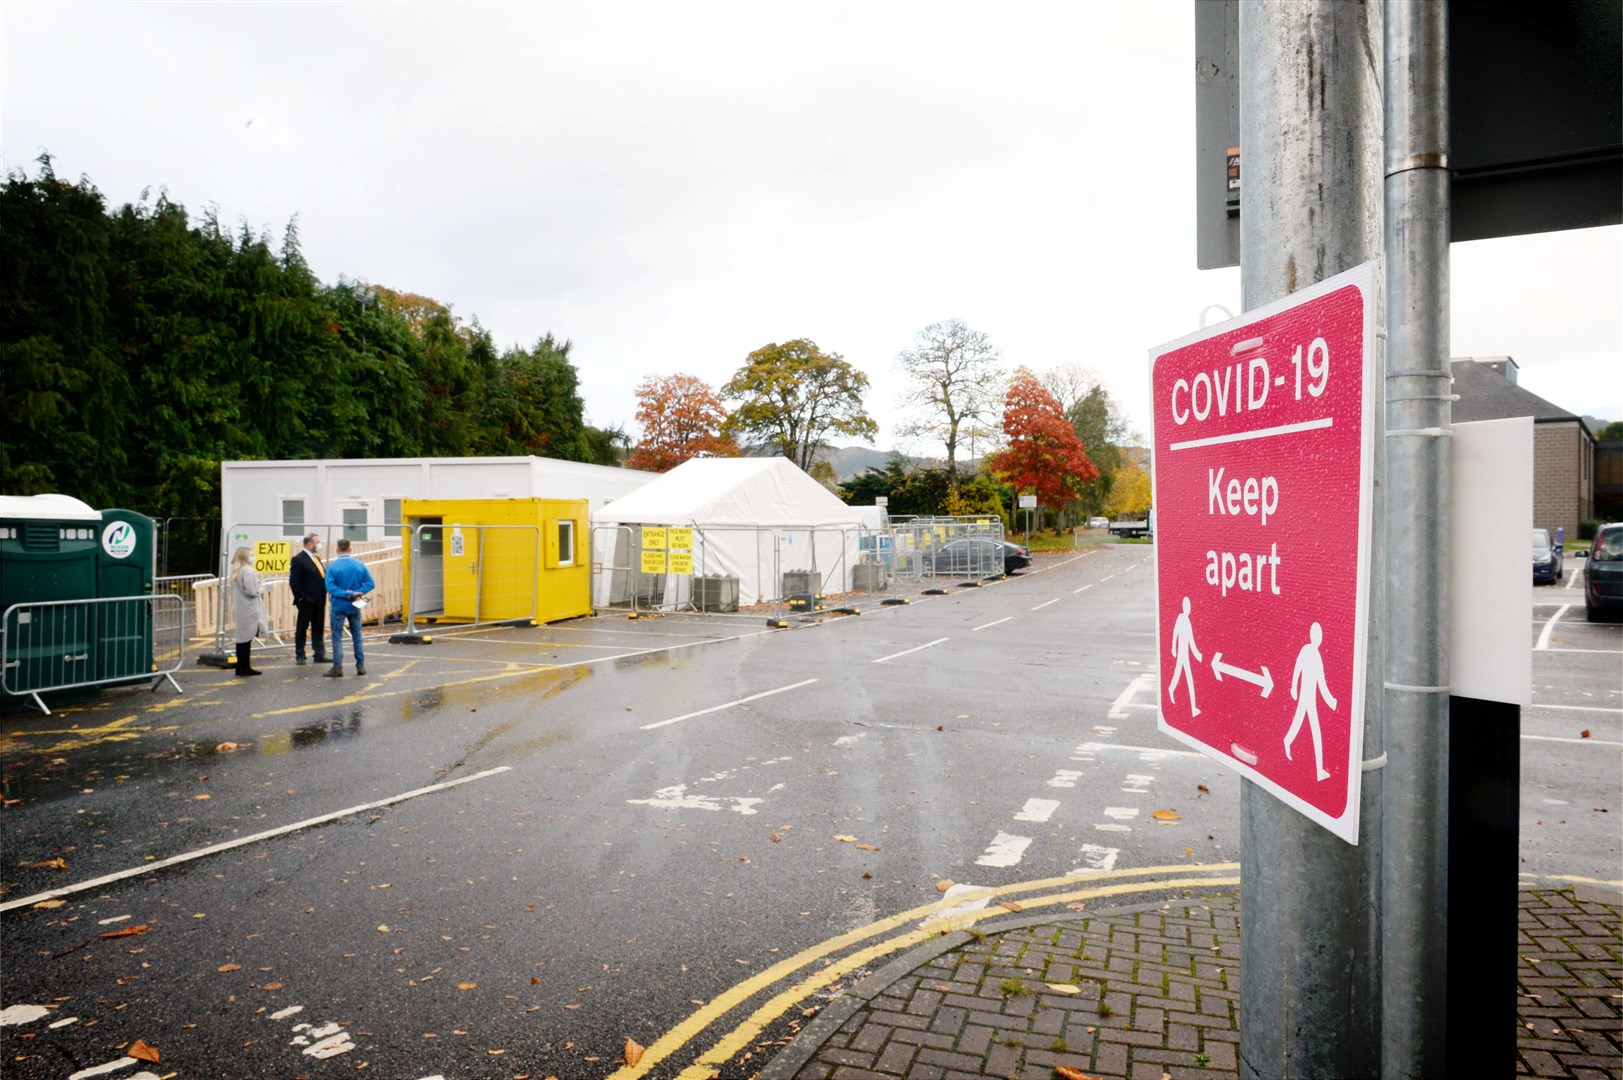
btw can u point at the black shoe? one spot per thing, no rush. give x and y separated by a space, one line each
300 660
334 672
245 672
322 659
360 669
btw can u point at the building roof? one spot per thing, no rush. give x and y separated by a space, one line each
753 492
1486 394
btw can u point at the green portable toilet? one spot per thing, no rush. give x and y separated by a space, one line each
56 548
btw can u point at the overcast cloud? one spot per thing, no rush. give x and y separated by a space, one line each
673 185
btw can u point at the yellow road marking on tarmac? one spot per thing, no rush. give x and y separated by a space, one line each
708 1014
1584 880
367 693
79 738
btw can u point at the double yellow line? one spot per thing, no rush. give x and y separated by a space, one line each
740 1037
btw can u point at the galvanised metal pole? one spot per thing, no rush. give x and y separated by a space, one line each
1310 207
1415 850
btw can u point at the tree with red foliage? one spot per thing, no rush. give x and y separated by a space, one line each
1043 454
681 418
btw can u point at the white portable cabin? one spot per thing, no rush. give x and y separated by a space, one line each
276 500
754 519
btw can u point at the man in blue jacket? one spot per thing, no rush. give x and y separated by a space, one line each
348 582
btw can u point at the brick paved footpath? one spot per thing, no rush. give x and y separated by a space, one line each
1158 992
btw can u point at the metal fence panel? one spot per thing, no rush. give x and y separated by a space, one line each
948 547
69 644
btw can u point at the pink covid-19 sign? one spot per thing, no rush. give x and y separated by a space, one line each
1263 443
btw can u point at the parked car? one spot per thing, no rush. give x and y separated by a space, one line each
1098 523
1603 577
977 557
1546 558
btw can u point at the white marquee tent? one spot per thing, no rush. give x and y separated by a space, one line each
754 519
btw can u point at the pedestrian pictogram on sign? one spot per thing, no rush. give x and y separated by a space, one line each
1263 442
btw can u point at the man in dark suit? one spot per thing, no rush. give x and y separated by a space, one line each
306 579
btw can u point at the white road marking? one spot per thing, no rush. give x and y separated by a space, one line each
21 1014
1106 578
730 704
1113 828
1095 857
1138 784
1553 738
1609 652
1045 603
64 1023
1579 708
1121 813
677 798
1549 628
1065 778
323 1042
1145 753
849 740
215 849
994 622
1083 589
916 648
283 1014
1004 850
114 919
1038 810
1128 694
103 1070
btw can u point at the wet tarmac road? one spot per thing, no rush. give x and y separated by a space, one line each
628 842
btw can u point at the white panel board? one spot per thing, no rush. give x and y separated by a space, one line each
1490 560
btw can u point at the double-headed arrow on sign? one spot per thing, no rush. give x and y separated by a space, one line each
1265 680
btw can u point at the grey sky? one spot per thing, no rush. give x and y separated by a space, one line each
673 185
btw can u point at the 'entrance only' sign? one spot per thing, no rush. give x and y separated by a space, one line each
1263 443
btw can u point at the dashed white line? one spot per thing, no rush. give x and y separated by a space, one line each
729 705
994 622
1095 857
1045 603
1554 738
1004 850
1065 778
1579 708
1083 589
1138 784
1127 695
1038 810
916 648
1121 813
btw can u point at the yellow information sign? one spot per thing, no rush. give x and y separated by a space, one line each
653 562
653 537
681 562
681 539
272 556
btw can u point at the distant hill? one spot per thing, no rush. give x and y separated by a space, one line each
849 461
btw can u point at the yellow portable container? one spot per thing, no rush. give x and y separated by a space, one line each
496 560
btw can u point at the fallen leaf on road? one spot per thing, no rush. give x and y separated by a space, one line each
200 798
866 847
140 1051
1064 988
634 1052
1584 734
1167 815
223 968
1065 1072
128 931
1075 905
227 747
1010 904
776 839
50 905
573 1005
846 839
48 864
466 986
743 858
271 986
1202 787
383 929
943 885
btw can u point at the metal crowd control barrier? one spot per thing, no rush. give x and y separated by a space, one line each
471 576
928 549
69 644
379 549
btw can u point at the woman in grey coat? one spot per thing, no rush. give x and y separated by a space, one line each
247 606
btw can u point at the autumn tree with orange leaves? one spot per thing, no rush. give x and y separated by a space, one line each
681 418
1043 453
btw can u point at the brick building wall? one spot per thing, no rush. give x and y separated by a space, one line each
1563 476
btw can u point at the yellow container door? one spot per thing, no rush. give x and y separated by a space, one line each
462 555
